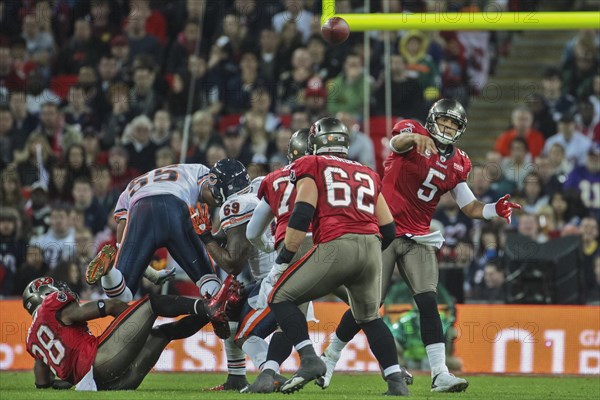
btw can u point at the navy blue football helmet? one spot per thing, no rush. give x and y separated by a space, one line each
226 178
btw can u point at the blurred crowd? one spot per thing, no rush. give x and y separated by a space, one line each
95 93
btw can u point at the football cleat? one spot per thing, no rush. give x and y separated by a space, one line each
267 381
233 383
311 368
330 359
101 264
396 385
446 382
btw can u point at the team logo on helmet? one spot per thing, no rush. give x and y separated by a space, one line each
42 282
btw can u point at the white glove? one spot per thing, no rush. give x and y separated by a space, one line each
267 284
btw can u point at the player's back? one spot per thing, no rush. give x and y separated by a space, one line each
180 180
277 190
237 210
347 195
69 350
413 183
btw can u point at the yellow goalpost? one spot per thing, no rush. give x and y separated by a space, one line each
492 19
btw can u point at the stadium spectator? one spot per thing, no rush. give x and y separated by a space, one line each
558 160
143 97
59 134
533 193
267 66
238 90
407 92
140 148
292 82
7 136
164 157
139 39
492 289
552 93
453 69
24 122
82 49
315 100
10 189
161 132
30 167
38 92
576 144
120 171
69 272
586 119
258 137
104 27
58 244
235 34
91 145
37 209
119 116
322 66
76 165
236 146
289 40
588 229
103 194
518 163
11 78
578 71
84 200
361 147
203 135
499 183
76 111
260 106
294 11
39 43
585 181
419 64
58 184
215 153
119 50
33 267
543 120
528 225
522 121
184 46
346 92
279 157
12 248
457 226
487 250
481 184
552 180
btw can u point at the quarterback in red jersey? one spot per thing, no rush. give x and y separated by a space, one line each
351 224
423 165
119 359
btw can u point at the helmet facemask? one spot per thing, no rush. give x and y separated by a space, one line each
446 108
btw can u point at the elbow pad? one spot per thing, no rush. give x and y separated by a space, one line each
302 216
388 234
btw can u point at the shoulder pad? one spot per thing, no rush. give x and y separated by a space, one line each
237 210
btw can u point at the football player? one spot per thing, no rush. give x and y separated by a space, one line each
351 224
231 187
62 345
154 212
423 165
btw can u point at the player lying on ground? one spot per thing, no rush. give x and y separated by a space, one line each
63 346
423 165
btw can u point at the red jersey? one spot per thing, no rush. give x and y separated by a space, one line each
277 190
413 183
348 192
69 350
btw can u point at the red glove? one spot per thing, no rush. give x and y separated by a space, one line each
201 219
504 207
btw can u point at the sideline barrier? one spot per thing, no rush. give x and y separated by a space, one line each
491 339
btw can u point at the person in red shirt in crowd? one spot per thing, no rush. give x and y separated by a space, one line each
522 121
62 345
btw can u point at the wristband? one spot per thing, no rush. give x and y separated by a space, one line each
489 211
101 307
284 256
302 216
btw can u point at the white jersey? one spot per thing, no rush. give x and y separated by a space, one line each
236 211
183 181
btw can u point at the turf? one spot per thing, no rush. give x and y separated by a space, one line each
163 386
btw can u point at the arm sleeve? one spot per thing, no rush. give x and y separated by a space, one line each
462 194
261 218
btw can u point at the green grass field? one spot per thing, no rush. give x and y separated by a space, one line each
19 385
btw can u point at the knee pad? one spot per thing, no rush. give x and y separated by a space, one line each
427 304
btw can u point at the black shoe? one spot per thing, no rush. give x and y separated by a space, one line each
311 368
396 385
233 382
408 378
267 381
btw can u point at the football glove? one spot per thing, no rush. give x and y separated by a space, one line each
267 284
504 208
201 219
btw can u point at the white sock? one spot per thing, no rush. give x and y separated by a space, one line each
303 344
236 359
114 286
391 370
272 365
336 345
436 353
209 284
256 348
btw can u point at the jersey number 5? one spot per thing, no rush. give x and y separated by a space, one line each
427 193
339 191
